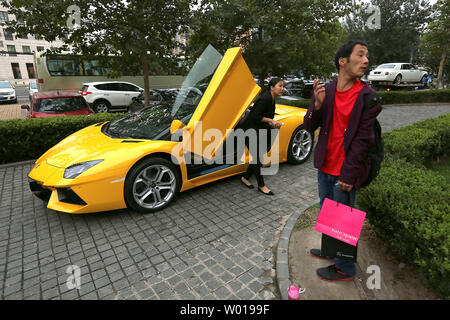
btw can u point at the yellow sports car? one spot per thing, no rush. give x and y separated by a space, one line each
142 160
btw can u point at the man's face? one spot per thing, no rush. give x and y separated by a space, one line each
356 66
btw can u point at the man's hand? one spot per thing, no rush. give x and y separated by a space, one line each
319 94
344 187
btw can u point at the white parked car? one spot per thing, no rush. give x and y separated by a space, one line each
396 73
32 88
109 95
7 92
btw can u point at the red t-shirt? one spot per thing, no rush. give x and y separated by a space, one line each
343 106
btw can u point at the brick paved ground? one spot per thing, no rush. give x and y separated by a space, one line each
215 242
11 111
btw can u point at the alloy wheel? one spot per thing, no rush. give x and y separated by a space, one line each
301 145
154 186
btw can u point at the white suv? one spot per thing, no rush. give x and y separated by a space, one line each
7 92
110 95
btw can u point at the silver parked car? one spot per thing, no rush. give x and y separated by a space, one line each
7 92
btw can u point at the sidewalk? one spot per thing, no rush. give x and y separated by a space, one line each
296 266
397 281
12 111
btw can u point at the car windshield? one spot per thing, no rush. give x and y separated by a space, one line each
33 85
59 105
154 122
6 85
386 66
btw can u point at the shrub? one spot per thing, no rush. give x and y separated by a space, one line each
26 139
420 142
408 204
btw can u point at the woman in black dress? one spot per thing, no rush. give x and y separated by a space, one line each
261 119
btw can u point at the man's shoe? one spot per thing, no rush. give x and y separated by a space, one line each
317 253
333 273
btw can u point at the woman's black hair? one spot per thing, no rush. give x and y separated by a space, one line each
273 82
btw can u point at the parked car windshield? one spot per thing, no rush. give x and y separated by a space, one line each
59 105
386 66
154 122
5 85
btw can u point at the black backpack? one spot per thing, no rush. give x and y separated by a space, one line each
376 151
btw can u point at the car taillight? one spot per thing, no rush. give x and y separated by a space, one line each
40 80
85 93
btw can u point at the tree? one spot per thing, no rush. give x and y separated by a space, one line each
134 30
435 41
277 36
401 24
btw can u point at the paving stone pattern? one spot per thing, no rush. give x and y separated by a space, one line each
215 242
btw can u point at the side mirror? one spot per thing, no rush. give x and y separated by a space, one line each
175 126
24 106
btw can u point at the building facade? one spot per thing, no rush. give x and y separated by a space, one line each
17 54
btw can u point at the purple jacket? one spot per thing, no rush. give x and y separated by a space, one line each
359 135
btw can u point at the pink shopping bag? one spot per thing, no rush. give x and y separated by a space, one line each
340 221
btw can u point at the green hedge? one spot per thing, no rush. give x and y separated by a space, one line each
392 97
408 204
27 139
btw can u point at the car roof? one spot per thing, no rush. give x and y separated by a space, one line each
56 94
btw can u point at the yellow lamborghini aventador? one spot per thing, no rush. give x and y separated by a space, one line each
143 159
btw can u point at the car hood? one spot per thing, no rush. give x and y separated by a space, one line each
91 144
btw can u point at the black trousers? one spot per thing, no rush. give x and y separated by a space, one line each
255 168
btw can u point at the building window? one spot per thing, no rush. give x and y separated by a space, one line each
30 70
16 70
26 49
40 49
12 50
8 35
3 16
1 44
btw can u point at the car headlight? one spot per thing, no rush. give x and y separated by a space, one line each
12 92
76 169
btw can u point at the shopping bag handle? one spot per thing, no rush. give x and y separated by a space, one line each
340 197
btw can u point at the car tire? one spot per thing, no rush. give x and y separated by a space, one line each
300 146
101 106
398 79
151 185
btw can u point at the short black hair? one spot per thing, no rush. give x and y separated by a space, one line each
346 50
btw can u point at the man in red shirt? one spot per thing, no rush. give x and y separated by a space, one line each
345 136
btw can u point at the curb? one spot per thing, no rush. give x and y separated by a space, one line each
282 265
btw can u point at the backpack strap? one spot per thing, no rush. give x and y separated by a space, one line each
371 100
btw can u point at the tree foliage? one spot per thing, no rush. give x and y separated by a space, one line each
434 44
277 36
401 24
137 31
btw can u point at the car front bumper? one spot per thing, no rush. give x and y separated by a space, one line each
8 97
66 195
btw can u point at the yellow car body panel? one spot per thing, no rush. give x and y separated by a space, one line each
102 187
224 101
